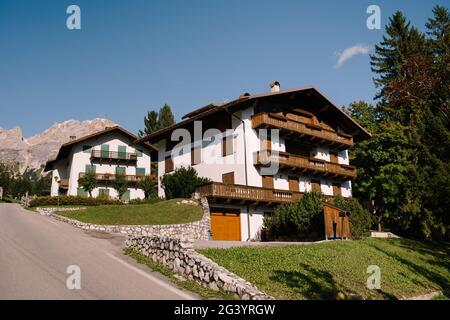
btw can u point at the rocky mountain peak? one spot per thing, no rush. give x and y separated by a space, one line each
35 151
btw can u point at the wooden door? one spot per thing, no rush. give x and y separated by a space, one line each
336 189
168 164
316 185
225 225
228 178
267 182
334 157
293 184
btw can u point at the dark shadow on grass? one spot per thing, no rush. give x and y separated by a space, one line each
316 284
431 275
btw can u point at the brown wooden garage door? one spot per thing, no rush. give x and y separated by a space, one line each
225 225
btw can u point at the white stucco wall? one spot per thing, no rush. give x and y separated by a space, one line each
77 161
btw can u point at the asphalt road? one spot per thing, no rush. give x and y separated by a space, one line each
35 252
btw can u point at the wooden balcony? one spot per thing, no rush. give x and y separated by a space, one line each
109 177
240 194
297 130
113 155
305 165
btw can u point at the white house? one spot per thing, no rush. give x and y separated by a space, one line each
304 147
106 153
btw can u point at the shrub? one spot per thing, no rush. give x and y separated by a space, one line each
70 200
88 182
149 185
361 220
181 183
120 184
297 219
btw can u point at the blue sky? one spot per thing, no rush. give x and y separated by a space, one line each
133 56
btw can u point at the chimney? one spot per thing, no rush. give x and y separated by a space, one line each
275 86
72 138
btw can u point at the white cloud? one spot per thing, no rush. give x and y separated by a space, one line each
350 53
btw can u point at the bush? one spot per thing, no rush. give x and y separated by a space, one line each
361 220
71 201
150 187
298 219
181 183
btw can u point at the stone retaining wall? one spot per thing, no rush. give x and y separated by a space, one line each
178 255
198 230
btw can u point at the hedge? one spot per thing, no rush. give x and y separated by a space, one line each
71 200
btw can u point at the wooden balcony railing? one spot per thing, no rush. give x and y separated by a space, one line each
309 131
113 155
105 177
301 164
243 193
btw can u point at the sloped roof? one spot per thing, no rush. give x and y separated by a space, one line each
64 150
242 102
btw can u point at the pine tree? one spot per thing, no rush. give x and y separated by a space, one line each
150 123
165 117
155 121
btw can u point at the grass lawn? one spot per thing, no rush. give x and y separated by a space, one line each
161 212
187 284
320 271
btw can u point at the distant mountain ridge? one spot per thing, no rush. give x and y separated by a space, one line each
35 151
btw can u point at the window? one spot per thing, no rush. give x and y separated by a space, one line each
120 170
168 164
267 182
139 152
227 146
87 149
81 192
122 152
334 157
336 189
103 192
293 183
90 168
105 151
316 185
228 178
140 171
196 154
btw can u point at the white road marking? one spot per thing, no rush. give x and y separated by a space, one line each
152 278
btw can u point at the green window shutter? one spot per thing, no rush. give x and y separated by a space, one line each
90 168
81 192
105 151
87 149
120 170
140 171
139 152
103 192
126 196
122 152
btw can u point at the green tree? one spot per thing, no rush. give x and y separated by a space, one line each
88 182
149 185
297 219
404 168
120 184
182 182
165 117
157 120
150 123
